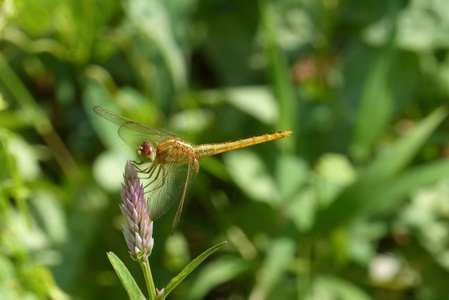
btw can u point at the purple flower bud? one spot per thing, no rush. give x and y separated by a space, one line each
138 230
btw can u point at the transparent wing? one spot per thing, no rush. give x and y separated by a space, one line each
131 132
191 174
169 184
134 134
110 116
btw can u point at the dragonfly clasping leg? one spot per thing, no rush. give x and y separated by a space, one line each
162 183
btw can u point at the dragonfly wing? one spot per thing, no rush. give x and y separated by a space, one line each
110 116
169 184
131 132
134 134
191 174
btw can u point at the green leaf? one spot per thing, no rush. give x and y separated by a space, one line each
250 174
190 267
256 101
395 159
380 179
278 72
375 106
126 278
412 180
152 18
291 174
279 255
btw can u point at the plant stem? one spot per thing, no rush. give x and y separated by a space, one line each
148 278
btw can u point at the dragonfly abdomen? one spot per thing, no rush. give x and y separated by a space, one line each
202 151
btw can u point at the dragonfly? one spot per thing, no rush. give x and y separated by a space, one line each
169 164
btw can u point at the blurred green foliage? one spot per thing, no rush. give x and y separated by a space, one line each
353 205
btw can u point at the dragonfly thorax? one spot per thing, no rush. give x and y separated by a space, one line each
175 151
146 152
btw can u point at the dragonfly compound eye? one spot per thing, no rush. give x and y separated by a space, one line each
148 151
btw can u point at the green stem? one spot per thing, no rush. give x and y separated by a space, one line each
148 278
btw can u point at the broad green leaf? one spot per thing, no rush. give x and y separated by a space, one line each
35 18
291 173
256 101
302 209
191 120
249 173
190 267
126 278
336 168
108 169
334 173
279 255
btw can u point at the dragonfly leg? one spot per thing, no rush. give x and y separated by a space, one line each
138 169
136 165
162 168
155 177
148 171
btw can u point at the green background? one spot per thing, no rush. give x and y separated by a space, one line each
353 205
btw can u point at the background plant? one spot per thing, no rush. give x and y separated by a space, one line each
360 188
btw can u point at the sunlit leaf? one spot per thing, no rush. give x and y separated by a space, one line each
126 278
302 209
191 121
291 173
249 173
337 168
256 101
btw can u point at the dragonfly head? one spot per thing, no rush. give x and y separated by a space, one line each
146 152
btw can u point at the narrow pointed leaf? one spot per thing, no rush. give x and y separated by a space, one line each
412 180
278 73
378 178
375 105
190 267
126 278
405 149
